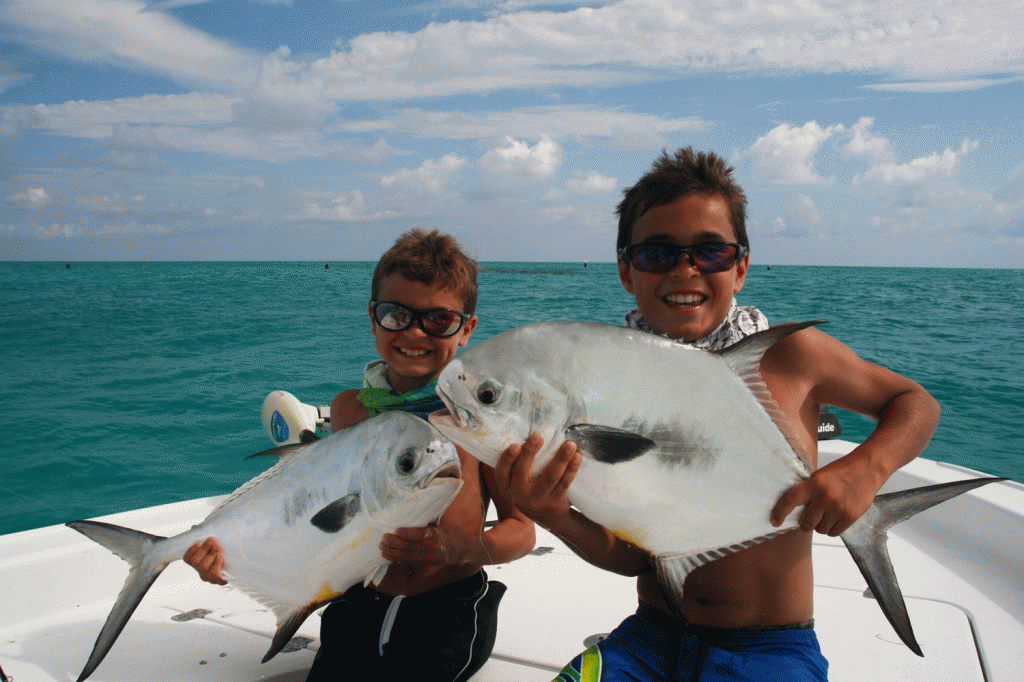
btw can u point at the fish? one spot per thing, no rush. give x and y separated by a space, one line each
685 453
304 531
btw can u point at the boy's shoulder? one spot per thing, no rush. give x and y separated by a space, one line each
346 410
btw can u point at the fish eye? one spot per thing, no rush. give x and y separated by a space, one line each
406 462
487 393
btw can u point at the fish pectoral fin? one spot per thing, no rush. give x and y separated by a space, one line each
376 575
334 516
608 444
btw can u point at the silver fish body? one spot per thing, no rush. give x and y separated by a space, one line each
685 452
307 529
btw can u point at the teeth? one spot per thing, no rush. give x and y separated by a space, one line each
685 299
413 352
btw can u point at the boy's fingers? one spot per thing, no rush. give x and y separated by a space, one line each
790 500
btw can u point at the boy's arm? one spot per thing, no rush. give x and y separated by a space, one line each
838 494
545 500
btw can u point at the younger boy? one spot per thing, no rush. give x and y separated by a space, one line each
434 615
683 254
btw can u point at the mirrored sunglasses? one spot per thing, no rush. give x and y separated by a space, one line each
708 257
438 322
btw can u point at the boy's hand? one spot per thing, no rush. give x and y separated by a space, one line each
430 545
834 497
544 498
208 558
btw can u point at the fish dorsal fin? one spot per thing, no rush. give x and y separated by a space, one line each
744 357
285 451
608 444
672 570
334 516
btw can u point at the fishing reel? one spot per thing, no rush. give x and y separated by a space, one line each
289 421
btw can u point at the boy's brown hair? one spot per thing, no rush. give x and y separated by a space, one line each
430 258
672 177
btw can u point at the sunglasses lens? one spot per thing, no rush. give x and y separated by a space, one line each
714 256
653 258
392 316
441 323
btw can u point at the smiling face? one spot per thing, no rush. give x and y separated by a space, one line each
685 303
413 356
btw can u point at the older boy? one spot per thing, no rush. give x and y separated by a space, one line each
434 615
683 254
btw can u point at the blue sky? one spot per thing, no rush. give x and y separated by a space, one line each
867 133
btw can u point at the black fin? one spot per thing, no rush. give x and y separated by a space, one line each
608 444
334 516
287 629
866 540
142 551
281 451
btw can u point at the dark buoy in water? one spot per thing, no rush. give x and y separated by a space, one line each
584 263
769 267
69 266
327 266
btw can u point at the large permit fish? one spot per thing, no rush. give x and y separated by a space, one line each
305 530
684 451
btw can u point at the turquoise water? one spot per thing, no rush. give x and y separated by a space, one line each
133 384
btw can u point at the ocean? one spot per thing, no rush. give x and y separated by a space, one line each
134 384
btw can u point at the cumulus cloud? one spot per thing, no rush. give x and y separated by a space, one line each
516 163
34 197
920 169
786 155
431 179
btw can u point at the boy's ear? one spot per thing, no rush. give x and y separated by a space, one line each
742 266
624 276
373 320
467 330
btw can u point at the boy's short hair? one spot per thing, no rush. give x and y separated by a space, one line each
671 177
430 258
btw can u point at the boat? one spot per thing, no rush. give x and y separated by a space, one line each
960 566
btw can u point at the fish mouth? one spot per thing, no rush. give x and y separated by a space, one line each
452 415
448 471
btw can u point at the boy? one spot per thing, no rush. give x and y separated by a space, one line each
683 255
434 615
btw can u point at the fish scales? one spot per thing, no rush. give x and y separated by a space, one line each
685 453
307 529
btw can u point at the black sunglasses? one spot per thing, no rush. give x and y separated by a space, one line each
707 257
438 322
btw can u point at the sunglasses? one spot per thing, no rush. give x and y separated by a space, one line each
438 322
707 257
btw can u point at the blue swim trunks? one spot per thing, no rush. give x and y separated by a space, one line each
651 647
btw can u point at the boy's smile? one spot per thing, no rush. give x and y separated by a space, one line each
413 356
685 303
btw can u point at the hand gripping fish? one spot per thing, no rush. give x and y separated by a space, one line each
304 531
685 452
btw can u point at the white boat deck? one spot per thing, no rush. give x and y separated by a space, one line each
961 567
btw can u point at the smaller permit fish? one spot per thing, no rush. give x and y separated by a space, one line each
685 453
304 531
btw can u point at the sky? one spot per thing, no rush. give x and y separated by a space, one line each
865 132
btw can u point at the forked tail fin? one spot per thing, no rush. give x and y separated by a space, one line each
140 551
866 540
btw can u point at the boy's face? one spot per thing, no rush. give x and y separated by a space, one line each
413 356
685 303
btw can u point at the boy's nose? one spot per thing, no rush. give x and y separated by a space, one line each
684 264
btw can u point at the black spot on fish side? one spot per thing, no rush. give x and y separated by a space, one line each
334 516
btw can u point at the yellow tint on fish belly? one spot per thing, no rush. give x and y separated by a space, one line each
635 537
325 594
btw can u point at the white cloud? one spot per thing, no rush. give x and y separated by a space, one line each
34 197
343 207
786 155
920 169
429 180
941 86
68 230
866 143
594 183
517 163
118 33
